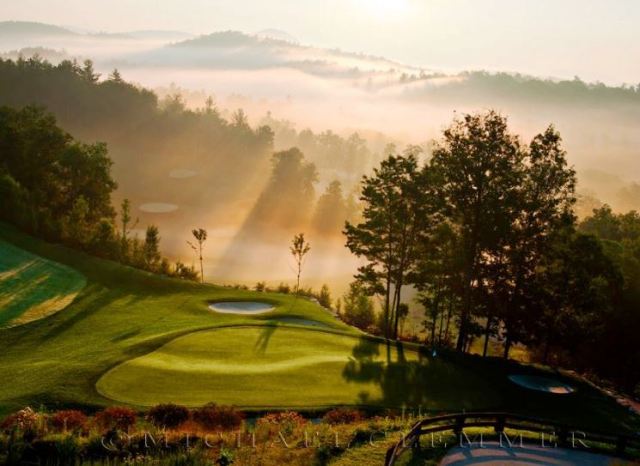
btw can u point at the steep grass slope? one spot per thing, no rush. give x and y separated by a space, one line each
31 287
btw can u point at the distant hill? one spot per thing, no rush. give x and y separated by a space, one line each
267 49
277 34
26 28
159 35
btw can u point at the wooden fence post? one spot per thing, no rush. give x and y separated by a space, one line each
499 427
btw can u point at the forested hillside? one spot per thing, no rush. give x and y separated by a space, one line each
147 139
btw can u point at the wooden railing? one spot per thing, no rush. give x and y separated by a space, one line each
456 423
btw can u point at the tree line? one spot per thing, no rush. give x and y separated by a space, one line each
59 189
483 228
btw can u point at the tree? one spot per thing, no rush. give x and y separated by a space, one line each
78 226
331 211
543 207
200 235
479 167
105 241
115 76
88 72
579 287
437 277
357 308
393 213
151 248
125 220
299 249
324 298
287 199
603 223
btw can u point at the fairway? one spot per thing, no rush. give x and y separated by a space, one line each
32 287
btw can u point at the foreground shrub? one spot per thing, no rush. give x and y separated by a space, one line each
342 416
24 420
69 420
214 417
283 288
116 417
168 416
285 422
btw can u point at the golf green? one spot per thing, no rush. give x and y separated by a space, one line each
251 366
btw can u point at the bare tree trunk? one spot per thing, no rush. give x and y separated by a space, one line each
487 329
397 307
465 314
449 312
507 346
201 266
387 308
433 331
440 328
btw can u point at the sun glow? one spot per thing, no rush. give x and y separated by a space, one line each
385 9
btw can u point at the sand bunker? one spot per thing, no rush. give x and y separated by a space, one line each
158 208
182 173
241 307
542 384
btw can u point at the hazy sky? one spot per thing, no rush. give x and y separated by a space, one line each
594 39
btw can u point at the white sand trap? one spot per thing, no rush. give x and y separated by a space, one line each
158 208
542 384
241 307
182 173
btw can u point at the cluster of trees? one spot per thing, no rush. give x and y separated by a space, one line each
514 88
342 156
615 346
289 201
485 231
147 137
60 189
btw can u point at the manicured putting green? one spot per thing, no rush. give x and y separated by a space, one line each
255 366
32 287
241 307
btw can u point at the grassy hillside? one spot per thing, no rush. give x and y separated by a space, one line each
31 287
145 339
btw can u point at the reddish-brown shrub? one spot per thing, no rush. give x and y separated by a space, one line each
214 417
342 416
285 422
69 420
116 417
24 420
168 415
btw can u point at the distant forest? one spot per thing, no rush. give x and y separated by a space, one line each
148 138
145 136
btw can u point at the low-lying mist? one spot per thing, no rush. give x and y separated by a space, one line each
187 158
